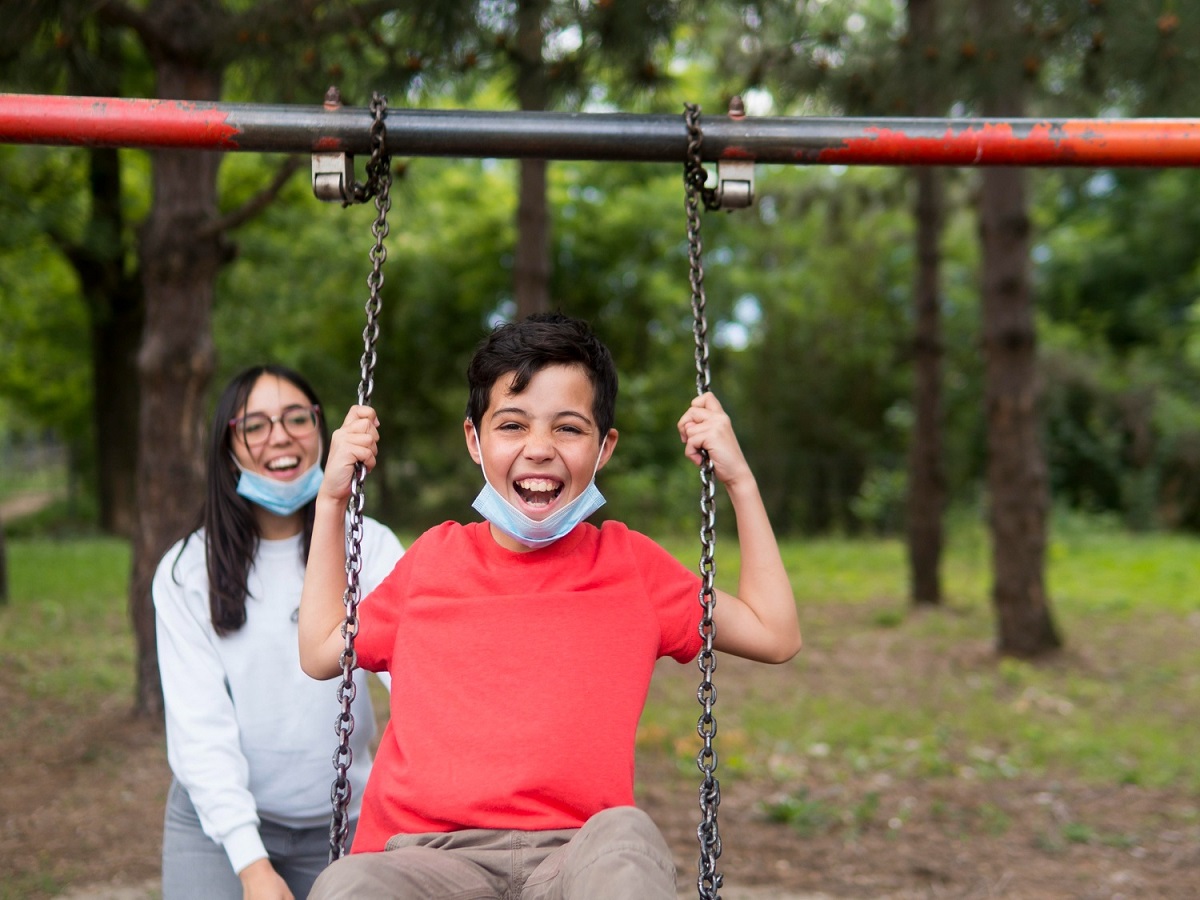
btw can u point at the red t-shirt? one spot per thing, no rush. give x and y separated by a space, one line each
517 678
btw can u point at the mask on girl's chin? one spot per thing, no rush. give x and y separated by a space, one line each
280 497
531 532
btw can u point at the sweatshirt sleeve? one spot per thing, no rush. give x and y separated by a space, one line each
203 746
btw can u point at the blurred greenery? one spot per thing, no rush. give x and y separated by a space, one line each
809 302
808 315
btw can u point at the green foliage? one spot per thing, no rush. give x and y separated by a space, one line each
808 291
44 340
1118 283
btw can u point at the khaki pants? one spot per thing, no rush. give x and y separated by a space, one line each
618 854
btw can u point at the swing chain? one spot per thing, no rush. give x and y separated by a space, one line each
694 173
378 185
709 880
379 167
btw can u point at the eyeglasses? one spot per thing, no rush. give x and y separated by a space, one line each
255 428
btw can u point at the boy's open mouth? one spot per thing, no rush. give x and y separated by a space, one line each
538 491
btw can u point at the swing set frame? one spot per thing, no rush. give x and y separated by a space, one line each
332 127
333 134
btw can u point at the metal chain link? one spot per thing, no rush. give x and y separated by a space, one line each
378 185
709 880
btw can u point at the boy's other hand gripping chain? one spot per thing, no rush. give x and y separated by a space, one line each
761 622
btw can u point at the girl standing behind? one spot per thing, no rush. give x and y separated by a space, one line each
250 737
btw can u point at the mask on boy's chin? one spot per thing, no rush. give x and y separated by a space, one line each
535 533
530 532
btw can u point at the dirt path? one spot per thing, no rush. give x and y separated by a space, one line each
26 503
150 891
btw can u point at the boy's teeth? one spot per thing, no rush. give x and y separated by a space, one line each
538 484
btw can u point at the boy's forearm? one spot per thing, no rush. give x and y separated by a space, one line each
763 582
321 608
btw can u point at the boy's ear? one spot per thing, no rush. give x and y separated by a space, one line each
472 444
610 444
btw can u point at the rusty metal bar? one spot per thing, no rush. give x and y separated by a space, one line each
179 124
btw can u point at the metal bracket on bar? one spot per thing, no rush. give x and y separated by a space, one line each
735 183
333 173
333 177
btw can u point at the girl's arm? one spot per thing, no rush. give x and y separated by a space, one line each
760 623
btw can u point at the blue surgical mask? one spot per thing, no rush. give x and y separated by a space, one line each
280 497
530 532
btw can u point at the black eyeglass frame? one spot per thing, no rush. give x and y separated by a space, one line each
237 424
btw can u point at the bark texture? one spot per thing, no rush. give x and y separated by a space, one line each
1017 479
531 265
181 254
926 468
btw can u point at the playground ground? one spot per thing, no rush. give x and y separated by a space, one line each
81 794
81 803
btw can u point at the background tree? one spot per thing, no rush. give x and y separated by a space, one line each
809 291
49 47
1018 489
926 501
189 46
552 54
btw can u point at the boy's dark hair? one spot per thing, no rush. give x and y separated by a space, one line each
525 348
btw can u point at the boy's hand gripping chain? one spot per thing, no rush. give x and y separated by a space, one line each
378 185
709 880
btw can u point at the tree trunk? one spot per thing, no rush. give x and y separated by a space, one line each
926 473
1017 479
531 263
115 342
531 267
117 314
181 256
113 298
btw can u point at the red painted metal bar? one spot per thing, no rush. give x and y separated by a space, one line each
179 124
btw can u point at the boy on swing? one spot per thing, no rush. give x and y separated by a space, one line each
521 648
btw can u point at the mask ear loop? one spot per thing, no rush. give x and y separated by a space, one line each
599 456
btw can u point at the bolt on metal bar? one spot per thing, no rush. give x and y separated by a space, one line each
180 124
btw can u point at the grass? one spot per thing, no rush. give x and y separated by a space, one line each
65 632
881 689
878 689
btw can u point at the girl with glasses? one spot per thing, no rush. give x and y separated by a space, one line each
249 735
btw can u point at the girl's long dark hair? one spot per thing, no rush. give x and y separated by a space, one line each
231 533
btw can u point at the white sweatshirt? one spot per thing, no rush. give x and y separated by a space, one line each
248 733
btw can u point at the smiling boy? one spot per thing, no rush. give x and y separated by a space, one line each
521 648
